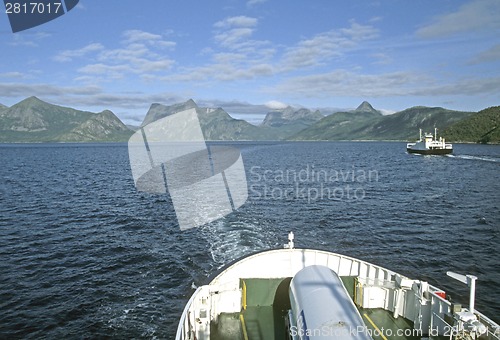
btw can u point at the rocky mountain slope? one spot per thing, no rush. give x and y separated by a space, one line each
33 120
216 124
366 123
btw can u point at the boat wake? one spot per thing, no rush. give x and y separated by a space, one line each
477 158
230 239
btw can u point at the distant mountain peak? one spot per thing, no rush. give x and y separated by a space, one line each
34 120
190 103
158 111
109 114
32 101
301 117
365 107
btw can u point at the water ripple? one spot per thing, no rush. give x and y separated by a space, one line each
86 256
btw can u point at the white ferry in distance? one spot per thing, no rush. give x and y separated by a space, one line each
293 293
430 145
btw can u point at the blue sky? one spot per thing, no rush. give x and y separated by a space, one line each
250 56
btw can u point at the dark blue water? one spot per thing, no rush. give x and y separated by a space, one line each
84 255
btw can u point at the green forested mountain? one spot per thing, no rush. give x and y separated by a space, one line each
102 127
481 127
33 120
289 121
371 125
339 126
405 125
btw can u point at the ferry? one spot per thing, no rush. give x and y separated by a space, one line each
294 293
429 144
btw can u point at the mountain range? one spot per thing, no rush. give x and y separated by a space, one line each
366 123
217 124
33 120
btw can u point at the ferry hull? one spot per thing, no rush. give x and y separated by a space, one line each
430 152
257 298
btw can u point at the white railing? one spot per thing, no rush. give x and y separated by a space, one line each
433 307
185 330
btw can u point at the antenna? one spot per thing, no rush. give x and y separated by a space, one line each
470 281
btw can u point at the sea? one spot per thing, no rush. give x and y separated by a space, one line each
85 255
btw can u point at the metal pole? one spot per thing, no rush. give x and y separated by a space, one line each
472 284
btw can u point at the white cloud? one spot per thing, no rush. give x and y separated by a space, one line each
128 53
342 83
327 45
68 55
233 36
140 66
468 86
359 32
350 84
17 75
238 21
142 37
243 58
251 3
229 57
236 56
223 71
382 58
28 39
478 15
21 90
275 105
490 55
146 66
387 112
376 19
234 32
139 55
104 70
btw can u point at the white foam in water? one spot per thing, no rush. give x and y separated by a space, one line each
231 240
477 158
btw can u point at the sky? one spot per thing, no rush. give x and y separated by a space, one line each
252 56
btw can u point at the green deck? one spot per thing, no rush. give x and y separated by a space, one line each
267 302
263 316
